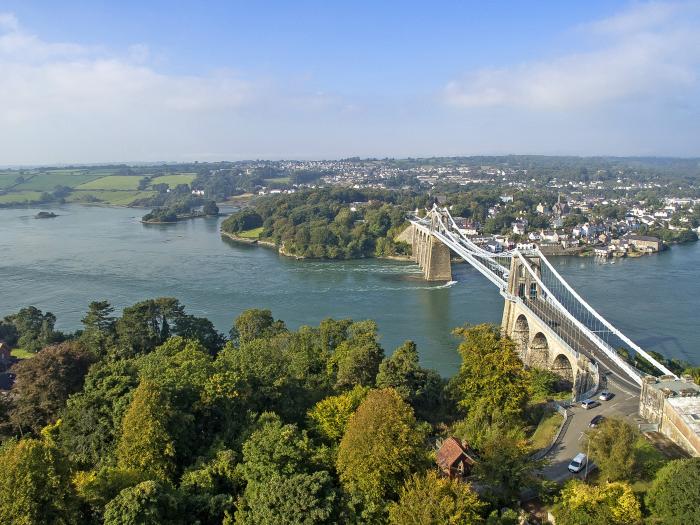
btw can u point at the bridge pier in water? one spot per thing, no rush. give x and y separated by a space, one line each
432 256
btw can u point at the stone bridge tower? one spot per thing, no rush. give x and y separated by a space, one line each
431 255
539 339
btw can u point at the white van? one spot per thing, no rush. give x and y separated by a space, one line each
578 463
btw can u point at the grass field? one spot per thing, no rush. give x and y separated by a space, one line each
545 431
21 353
48 181
251 234
7 179
278 180
113 197
112 182
20 197
174 180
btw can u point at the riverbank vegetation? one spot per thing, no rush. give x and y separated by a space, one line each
329 223
156 417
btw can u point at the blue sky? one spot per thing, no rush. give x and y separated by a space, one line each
147 81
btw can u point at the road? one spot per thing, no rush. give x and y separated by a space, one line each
623 405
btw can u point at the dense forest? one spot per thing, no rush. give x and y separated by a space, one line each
334 223
154 417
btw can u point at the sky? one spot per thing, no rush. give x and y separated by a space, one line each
130 81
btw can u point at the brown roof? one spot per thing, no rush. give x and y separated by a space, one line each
450 453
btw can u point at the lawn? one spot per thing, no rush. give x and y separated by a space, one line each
278 180
174 180
546 430
21 353
251 234
47 181
113 182
114 197
20 197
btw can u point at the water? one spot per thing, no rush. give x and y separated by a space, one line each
93 253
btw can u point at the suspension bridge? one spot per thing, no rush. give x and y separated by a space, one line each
551 324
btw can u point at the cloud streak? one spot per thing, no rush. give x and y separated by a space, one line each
648 51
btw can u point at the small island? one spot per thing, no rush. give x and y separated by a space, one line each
45 215
174 214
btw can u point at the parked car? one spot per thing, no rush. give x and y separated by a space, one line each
596 421
605 395
578 463
589 403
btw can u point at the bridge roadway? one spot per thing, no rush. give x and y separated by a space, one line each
609 371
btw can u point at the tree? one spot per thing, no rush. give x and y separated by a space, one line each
34 328
92 418
35 484
356 360
491 373
674 497
505 466
296 499
148 503
330 416
381 447
201 329
610 503
99 323
429 499
144 443
147 324
255 324
421 387
43 384
210 208
612 446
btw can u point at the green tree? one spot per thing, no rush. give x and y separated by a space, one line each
330 416
34 328
674 497
92 417
148 503
381 447
43 384
491 373
255 324
296 499
612 446
356 360
144 443
421 387
210 208
147 324
99 327
429 499
35 484
610 503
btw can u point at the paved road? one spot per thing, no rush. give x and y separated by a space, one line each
623 405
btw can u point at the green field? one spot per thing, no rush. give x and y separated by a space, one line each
546 430
21 353
113 197
251 234
174 180
20 197
48 181
278 180
8 179
112 182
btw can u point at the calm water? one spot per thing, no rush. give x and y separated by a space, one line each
91 253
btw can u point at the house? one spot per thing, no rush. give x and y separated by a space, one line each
542 208
453 459
494 246
644 243
519 228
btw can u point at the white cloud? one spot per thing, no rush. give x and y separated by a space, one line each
650 50
43 79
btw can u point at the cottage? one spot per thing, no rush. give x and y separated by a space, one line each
645 243
453 459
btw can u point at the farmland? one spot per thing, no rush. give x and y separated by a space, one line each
115 185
